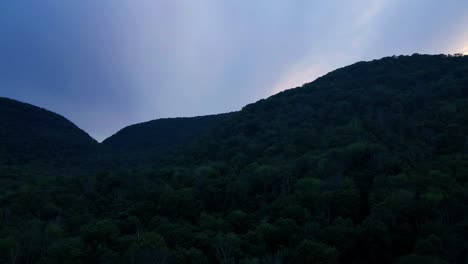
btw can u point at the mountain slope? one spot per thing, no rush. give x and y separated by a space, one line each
31 134
370 156
36 137
158 136
416 99
367 164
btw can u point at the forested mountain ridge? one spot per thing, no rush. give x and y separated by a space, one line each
32 134
367 164
150 139
33 140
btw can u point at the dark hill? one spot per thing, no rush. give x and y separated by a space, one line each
143 143
413 106
43 140
162 134
32 134
370 156
367 164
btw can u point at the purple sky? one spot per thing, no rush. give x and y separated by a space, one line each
110 63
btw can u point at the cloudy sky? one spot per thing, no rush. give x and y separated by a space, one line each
110 63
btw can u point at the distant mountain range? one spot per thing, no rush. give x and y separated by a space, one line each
33 135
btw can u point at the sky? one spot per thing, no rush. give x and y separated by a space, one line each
110 63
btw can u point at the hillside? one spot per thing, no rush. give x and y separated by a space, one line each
367 164
151 139
34 139
30 134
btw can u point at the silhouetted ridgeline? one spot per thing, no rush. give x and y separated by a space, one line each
148 140
33 139
29 134
367 164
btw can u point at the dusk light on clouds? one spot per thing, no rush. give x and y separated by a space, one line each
110 63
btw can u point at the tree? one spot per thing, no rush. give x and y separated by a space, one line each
315 252
227 248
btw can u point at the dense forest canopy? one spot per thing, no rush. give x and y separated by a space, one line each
367 164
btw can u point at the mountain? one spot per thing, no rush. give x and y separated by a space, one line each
151 139
367 164
38 138
29 134
409 107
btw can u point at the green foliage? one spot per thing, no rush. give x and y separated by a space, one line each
367 164
315 252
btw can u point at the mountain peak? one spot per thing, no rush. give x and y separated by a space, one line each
33 133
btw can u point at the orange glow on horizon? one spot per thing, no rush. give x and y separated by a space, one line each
465 50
